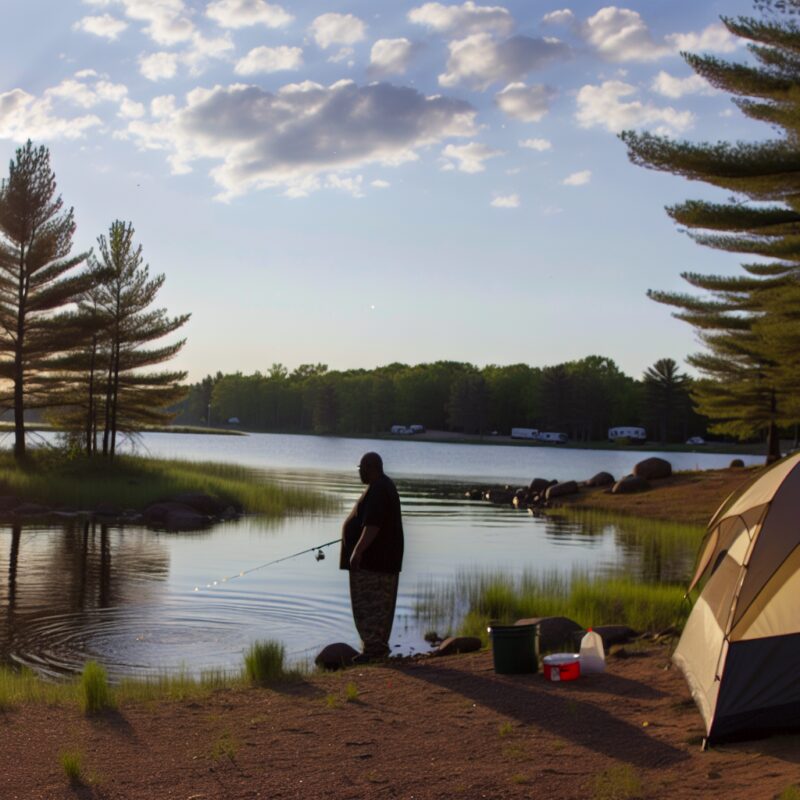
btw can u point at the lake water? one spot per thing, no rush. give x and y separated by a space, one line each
127 597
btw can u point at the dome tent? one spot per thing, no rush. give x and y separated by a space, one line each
740 648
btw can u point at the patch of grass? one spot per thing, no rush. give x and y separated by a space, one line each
618 783
133 482
350 692
25 686
331 701
506 729
71 762
225 747
174 686
264 662
519 779
791 792
479 598
95 693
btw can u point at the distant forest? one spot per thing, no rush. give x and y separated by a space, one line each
580 398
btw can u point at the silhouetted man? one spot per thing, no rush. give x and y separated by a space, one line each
372 549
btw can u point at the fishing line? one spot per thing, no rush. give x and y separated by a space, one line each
319 556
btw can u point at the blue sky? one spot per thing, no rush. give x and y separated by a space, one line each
357 183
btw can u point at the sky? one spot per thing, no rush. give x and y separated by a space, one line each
360 183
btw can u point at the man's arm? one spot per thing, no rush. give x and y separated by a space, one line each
367 538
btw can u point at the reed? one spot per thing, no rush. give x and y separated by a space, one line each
477 598
95 693
135 482
72 763
264 662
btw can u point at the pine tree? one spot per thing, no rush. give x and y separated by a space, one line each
132 395
38 286
665 392
744 387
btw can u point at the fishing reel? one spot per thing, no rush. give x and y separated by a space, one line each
319 555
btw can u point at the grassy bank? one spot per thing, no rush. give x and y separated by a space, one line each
135 482
495 597
263 665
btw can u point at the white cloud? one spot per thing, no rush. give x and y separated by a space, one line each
480 61
166 21
540 145
468 157
24 116
158 66
603 106
78 91
131 110
352 186
105 25
506 201
463 20
563 16
332 29
390 56
380 184
578 178
620 34
526 103
716 38
204 49
270 59
342 54
245 13
670 86
296 137
163 105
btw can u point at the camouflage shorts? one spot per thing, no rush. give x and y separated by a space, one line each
373 595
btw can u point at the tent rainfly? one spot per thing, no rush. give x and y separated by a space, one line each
740 649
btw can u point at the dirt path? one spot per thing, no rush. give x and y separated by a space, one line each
439 728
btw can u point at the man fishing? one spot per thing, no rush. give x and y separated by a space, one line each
372 550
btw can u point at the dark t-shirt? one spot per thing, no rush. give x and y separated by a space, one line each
378 506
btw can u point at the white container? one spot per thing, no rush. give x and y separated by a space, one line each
593 654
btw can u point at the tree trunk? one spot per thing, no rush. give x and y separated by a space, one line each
19 374
114 406
91 411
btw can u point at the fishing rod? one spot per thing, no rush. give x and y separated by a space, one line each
319 556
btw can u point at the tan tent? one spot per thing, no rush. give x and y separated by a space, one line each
740 649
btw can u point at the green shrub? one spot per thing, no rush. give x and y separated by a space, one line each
264 662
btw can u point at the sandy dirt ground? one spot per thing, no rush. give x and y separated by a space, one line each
435 728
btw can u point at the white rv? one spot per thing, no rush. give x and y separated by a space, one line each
553 438
400 430
524 433
633 433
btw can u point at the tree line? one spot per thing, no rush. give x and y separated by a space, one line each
580 398
78 332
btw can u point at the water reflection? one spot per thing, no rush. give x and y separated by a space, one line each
126 596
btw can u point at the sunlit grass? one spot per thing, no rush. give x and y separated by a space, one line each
71 762
135 482
480 597
264 662
95 693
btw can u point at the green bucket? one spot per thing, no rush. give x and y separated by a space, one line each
515 648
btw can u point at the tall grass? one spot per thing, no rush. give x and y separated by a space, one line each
477 598
95 693
264 662
72 763
135 482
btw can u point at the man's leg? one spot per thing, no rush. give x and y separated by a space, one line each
373 595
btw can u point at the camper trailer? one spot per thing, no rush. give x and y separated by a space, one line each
553 438
524 433
634 434
400 430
